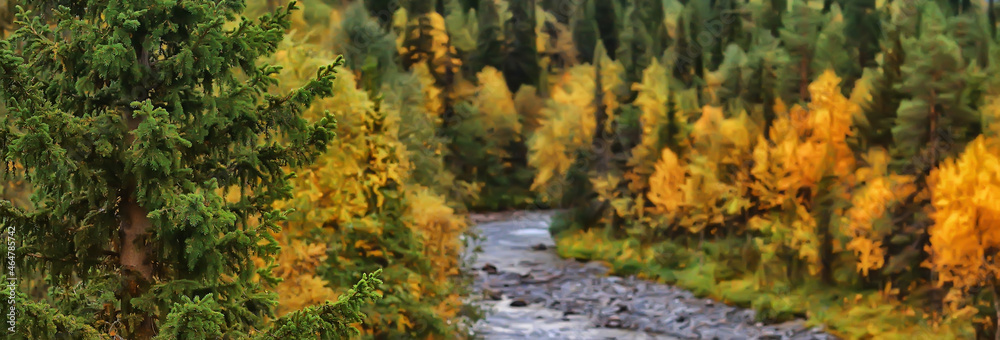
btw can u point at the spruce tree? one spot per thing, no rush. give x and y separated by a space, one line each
875 127
489 49
156 153
585 30
864 25
799 36
831 54
935 121
521 63
636 46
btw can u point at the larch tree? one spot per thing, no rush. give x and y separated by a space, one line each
156 153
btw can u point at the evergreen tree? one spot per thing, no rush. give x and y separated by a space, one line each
585 30
636 46
155 154
772 15
367 46
879 110
831 54
651 13
769 64
521 63
970 30
606 17
420 7
725 22
864 27
938 111
799 35
489 49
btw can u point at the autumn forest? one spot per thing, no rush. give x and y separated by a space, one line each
235 169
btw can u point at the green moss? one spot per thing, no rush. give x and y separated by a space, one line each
711 269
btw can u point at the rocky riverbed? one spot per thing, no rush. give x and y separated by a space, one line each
528 292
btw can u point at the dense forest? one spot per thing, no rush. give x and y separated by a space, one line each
189 169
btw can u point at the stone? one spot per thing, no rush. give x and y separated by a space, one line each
554 298
613 322
490 269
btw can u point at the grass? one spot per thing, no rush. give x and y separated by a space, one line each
710 269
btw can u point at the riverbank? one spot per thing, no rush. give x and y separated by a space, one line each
529 291
846 314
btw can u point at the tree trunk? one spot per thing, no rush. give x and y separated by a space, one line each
136 268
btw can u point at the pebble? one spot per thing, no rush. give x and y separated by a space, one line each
529 292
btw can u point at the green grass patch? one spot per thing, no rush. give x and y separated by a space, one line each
715 269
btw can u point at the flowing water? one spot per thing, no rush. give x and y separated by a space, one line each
529 292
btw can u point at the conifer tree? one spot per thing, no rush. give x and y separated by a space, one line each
521 63
875 126
830 52
799 36
651 14
585 31
692 48
155 154
725 22
636 46
938 109
489 49
863 25
772 15
770 64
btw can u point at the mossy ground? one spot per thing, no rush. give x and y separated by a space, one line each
707 271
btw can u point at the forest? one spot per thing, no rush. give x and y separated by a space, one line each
235 169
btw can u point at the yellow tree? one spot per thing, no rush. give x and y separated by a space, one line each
799 171
359 206
869 220
707 185
567 125
965 237
653 101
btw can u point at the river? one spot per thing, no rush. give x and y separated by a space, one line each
529 292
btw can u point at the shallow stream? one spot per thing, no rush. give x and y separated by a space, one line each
529 292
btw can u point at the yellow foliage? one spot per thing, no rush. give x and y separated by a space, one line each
567 125
666 185
652 100
296 266
335 185
365 171
711 182
433 102
496 105
612 85
966 232
804 146
529 106
830 117
399 19
991 116
440 227
426 40
606 188
541 36
562 47
870 204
